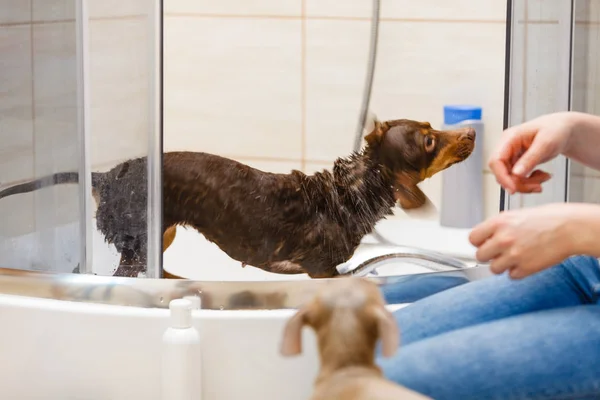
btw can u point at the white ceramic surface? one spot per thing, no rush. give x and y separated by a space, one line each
64 350
61 350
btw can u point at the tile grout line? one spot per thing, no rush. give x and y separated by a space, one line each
303 85
70 20
291 17
326 17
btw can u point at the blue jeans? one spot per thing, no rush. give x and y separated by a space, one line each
497 338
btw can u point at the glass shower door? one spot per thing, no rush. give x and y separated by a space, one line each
584 182
39 134
81 90
554 65
539 80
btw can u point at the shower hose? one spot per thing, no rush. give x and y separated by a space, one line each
364 109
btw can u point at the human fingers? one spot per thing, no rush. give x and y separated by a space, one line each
489 250
513 145
501 264
501 171
483 231
539 151
518 273
531 184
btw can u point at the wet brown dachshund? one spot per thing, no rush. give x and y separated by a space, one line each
348 317
283 223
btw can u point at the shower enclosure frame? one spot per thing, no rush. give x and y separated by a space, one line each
557 189
156 293
154 138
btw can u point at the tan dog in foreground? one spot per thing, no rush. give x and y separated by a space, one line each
348 316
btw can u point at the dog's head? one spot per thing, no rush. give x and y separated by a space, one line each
344 312
413 151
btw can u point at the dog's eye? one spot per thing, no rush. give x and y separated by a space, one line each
429 143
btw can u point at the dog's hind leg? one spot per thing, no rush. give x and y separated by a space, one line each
169 236
131 264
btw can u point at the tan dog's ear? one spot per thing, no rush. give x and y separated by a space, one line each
370 122
291 344
379 129
388 332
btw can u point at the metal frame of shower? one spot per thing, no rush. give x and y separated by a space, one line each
557 189
155 139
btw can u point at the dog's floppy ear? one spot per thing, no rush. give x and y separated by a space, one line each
370 122
388 332
379 128
291 344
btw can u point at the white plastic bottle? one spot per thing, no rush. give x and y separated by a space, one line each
180 373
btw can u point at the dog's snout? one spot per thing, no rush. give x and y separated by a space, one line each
469 134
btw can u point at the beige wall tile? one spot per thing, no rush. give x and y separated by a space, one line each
586 80
16 107
240 94
14 11
587 10
311 167
585 189
234 7
119 96
55 124
119 8
55 10
584 51
55 97
60 10
408 82
336 64
333 8
443 63
485 10
16 127
542 10
491 195
542 65
586 68
17 215
410 9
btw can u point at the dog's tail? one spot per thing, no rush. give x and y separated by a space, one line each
60 178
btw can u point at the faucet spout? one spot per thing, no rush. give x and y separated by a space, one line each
432 260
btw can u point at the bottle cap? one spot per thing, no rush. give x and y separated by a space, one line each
181 313
454 114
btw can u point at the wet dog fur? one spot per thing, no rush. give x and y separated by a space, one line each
283 223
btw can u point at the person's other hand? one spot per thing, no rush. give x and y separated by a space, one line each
526 241
525 146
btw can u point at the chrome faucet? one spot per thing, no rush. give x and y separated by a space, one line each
425 258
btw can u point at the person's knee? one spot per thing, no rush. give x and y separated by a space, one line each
428 369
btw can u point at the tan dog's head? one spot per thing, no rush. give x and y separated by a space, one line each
346 312
413 151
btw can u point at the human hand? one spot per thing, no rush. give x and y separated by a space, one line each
528 240
525 146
